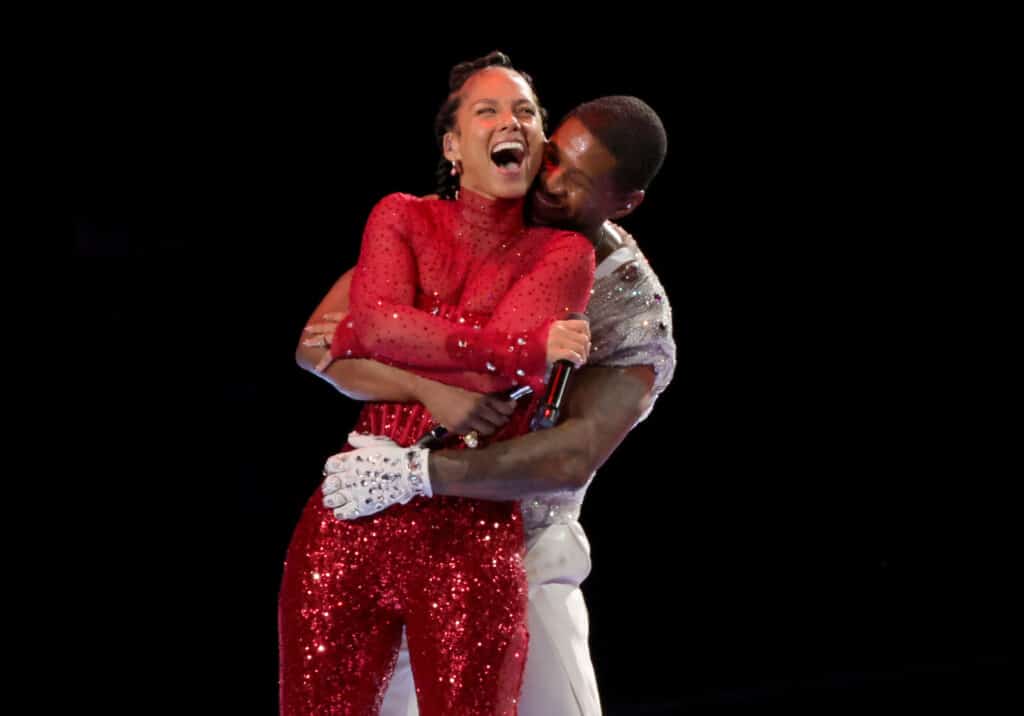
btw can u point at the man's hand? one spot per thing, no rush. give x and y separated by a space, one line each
373 477
321 335
462 411
569 340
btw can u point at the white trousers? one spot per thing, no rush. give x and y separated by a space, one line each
559 677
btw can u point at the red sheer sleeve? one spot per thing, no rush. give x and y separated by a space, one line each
384 323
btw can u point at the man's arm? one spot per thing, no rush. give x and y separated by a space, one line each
602 406
367 380
358 379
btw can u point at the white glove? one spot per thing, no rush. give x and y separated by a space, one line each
358 440
374 476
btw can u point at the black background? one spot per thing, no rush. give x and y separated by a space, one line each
810 516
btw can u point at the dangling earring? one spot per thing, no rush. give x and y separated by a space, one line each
455 171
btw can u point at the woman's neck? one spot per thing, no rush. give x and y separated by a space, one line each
489 213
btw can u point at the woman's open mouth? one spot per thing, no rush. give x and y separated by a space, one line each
508 157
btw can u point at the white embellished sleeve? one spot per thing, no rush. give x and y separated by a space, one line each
631 321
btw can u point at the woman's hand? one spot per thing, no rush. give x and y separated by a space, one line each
569 340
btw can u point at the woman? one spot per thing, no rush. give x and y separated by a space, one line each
462 291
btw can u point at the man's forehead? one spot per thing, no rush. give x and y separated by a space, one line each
573 138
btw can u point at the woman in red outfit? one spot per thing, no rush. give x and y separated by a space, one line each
459 290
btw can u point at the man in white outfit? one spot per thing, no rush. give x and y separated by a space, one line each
597 167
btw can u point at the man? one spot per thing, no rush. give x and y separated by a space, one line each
598 165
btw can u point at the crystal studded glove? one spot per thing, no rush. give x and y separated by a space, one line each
374 476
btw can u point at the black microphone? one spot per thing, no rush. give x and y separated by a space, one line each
547 411
433 439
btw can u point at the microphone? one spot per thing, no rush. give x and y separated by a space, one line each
433 439
547 411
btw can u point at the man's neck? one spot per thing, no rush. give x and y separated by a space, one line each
606 240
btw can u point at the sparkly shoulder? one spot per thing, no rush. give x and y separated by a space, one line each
631 316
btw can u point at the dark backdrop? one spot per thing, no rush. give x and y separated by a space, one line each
805 518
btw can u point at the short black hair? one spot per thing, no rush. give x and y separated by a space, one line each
632 131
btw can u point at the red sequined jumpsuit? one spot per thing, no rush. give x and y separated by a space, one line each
459 291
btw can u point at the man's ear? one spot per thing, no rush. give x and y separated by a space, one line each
628 205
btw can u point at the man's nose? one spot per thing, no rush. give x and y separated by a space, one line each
551 179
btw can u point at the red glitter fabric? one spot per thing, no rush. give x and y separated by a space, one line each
443 288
